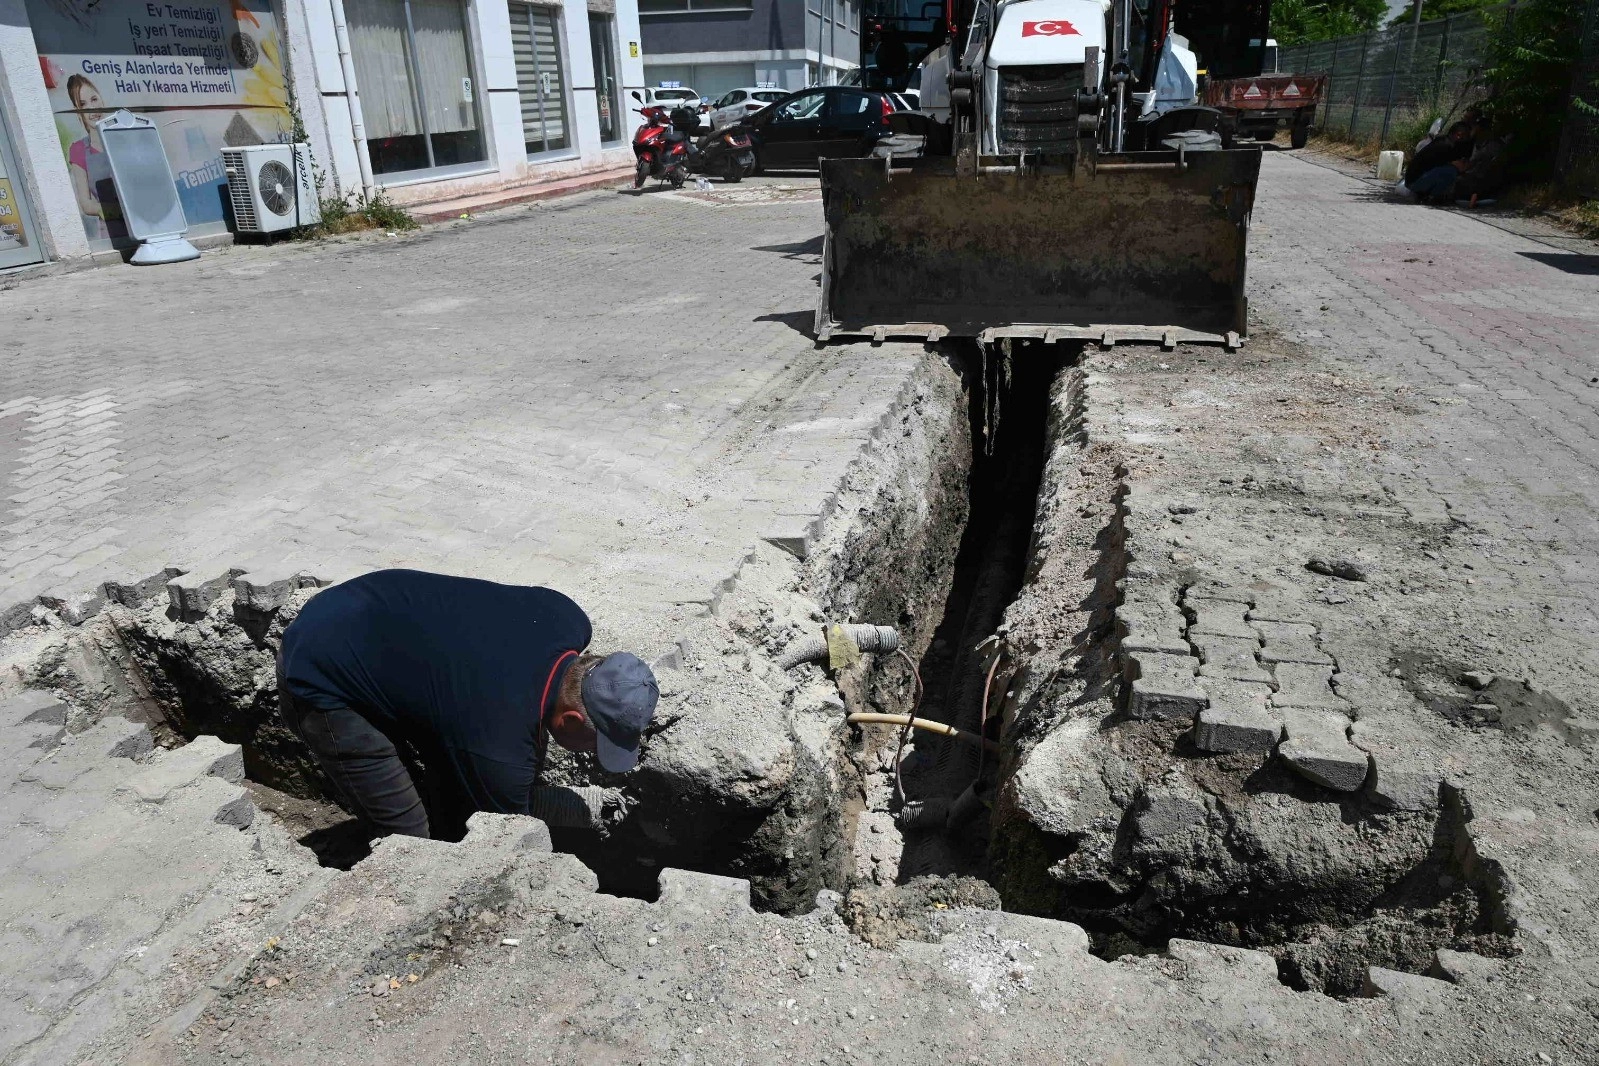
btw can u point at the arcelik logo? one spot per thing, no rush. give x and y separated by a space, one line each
1051 28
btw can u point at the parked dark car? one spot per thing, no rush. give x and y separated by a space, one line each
827 121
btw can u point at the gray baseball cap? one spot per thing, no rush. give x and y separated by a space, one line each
619 696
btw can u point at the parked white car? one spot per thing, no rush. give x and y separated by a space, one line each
739 104
671 96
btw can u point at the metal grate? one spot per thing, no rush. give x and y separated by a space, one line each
244 220
1038 109
1382 83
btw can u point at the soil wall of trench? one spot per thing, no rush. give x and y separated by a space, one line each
749 771
1125 827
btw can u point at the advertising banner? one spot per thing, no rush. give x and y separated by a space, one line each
210 75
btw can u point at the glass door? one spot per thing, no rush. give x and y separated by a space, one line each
602 38
540 77
19 244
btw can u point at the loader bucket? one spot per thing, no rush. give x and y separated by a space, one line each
1144 246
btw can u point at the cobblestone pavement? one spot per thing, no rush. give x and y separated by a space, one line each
1498 336
1418 399
607 393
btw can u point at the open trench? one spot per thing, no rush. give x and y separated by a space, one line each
1011 644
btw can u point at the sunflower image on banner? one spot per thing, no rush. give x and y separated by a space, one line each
210 75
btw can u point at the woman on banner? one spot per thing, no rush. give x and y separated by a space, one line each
87 163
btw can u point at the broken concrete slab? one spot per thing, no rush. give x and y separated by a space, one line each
266 591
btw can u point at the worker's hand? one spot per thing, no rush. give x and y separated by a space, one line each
615 808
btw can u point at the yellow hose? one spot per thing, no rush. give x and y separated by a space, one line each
868 718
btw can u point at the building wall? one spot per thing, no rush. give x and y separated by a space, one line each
313 76
789 43
43 174
508 164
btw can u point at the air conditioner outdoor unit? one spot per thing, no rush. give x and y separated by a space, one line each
271 187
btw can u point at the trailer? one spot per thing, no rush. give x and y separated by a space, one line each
1258 106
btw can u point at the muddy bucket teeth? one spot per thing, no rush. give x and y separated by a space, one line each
1144 246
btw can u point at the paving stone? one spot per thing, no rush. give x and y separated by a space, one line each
1399 779
1151 627
192 594
74 608
1279 608
133 593
1393 983
172 770
1464 967
1218 618
1221 593
1307 686
1220 963
703 892
1226 730
1291 642
34 705
1232 658
1316 745
1164 686
265 592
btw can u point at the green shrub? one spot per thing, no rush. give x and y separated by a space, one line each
1532 47
356 212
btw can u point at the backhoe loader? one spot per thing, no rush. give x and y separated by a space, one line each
1068 185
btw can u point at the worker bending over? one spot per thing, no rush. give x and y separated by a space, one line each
469 678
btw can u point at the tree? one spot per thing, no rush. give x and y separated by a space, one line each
1531 50
1437 9
1298 21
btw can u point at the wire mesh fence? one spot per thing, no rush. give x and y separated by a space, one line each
1578 163
1387 85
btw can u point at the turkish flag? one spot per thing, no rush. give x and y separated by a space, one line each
1051 28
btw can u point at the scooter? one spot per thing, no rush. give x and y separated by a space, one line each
661 150
728 154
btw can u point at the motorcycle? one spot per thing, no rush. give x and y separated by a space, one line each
727 153
661 149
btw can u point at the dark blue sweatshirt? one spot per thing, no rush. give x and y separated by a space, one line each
453 665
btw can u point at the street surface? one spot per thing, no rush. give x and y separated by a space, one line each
616 395
609 393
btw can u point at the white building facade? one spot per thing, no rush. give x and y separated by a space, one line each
423 100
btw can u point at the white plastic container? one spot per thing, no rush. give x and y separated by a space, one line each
1390 166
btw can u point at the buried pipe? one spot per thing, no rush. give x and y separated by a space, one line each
864 637
927 724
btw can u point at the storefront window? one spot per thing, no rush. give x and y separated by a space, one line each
540 77
602 39
413 69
